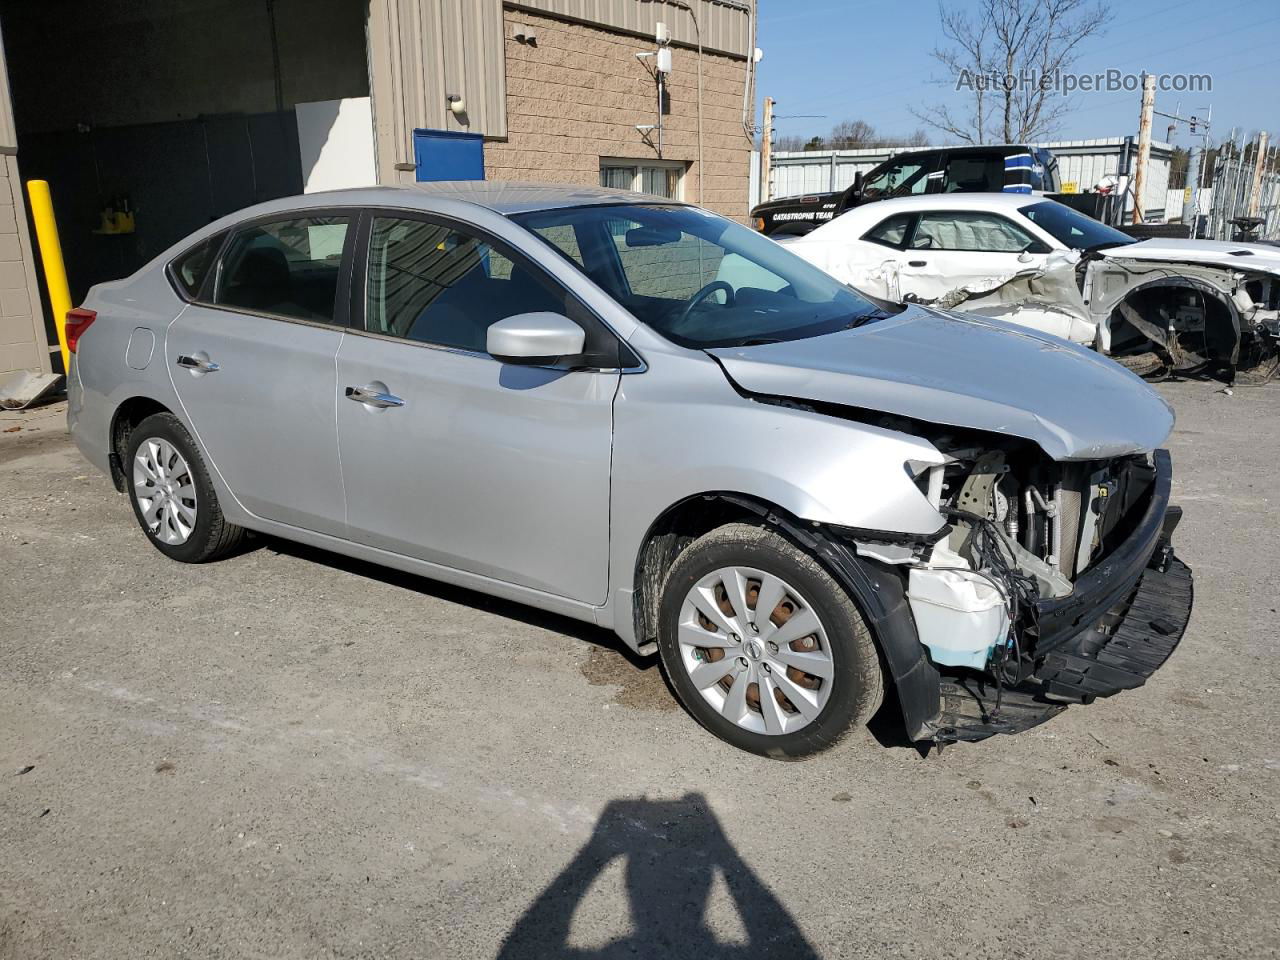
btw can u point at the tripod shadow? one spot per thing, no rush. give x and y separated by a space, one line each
671 852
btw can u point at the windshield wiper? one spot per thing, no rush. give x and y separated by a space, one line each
866 318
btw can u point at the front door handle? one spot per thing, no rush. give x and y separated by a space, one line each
200 364
374 398
917 263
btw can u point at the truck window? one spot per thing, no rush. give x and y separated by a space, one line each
900 179
974 173
1050 164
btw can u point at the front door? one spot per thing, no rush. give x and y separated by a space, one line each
455 458
960 248
254 369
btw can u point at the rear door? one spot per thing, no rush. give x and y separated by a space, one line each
252 361
451 456
957 248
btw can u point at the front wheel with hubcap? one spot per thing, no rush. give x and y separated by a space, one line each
763 647
172 495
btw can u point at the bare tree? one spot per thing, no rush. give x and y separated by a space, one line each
850 135
1005 59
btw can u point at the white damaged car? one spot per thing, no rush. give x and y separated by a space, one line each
1155 305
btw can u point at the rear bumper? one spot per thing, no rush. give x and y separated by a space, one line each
1122 622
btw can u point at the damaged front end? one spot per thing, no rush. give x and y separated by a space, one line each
1155 317
1161 318
1056 583
1049 577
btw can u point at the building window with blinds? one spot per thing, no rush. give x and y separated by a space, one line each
660 178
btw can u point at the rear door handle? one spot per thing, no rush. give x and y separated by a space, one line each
374 398
196 363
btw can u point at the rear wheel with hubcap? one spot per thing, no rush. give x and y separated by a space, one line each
172 495
763 647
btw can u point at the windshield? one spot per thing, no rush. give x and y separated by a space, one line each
1073 229
698 279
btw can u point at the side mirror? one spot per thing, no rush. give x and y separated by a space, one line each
534 339
857 184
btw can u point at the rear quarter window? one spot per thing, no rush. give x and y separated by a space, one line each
189 270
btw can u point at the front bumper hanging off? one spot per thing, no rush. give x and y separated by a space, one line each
1121 623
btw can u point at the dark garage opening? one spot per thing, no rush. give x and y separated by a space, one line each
183 109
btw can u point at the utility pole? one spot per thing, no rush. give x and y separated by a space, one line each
1191 203
766 149
1144 143
1255 192
1191 191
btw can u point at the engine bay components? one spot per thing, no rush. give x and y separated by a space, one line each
962 614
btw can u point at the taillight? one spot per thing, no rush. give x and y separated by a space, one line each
78 321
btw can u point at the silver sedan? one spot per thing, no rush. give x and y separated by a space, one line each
639 414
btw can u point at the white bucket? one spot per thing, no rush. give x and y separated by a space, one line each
959 614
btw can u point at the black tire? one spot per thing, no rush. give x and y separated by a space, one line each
212 536
858 682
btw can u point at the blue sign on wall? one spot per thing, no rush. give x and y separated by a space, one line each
448 155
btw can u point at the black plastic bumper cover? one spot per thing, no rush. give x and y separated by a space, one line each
1124 620
1108 582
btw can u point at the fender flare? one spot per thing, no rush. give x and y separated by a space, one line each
879 594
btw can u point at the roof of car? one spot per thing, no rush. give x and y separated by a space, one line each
1005 148
500 196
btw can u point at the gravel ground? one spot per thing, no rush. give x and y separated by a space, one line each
288 754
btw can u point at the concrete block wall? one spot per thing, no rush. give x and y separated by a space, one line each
23 344
577 94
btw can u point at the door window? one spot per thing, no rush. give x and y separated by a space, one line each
974 232
969 173
288 268
900 179
890 232
435 284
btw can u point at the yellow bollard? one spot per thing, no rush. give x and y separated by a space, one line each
55 271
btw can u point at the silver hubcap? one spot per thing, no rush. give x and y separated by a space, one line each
165 491
756 650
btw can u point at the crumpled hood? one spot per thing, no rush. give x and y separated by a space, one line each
966 371
1219 253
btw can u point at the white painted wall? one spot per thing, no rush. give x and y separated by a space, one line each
335 140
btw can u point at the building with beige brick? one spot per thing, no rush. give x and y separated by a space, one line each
579 98
196 108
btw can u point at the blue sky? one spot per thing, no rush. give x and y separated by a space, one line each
870 61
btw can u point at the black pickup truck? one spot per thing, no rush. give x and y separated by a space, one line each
1006 168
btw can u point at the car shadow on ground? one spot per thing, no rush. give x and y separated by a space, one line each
885 726
672 853
578 629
